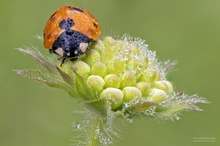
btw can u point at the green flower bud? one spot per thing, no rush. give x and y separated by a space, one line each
81 68
149 75
66 67
135 50
144 87
108 41
131 93
135 66
157 95
112 80
145 61
116 66
109 51
164 85
98 45
115 96
170 87
96 83
91 57
154 75
128 79
99 68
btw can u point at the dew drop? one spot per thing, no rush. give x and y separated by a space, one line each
97 131
77 125
177 117
105 140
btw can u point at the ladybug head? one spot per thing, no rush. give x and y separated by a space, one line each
71 44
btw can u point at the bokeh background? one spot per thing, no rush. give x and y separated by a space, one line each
188 31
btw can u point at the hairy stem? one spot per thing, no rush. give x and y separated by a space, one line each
93 130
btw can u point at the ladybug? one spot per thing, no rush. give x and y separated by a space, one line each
69 31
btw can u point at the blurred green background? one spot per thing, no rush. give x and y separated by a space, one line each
188 31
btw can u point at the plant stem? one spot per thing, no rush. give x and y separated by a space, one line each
93 131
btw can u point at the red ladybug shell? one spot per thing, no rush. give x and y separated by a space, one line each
84 23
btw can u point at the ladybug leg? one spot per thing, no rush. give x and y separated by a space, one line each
63 60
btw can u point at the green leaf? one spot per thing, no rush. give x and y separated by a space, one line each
142 105
178 103
38 76
66 77
82 88
40 58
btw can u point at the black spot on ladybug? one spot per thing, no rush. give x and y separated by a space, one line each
44 35
70 7
66 24
95 25
48 36
77 9
69 32
70 41
52 15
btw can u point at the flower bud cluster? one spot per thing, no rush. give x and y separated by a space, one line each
121 71
114 78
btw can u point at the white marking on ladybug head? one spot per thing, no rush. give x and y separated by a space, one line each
60 52
68 54
83 47
75 52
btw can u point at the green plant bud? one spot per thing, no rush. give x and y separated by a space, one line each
66 67
125 52
92 56
170 87
144 87
164 85
81 68
115 96
112 80
149 75
135 50
116 66
98 45
136 66
144 77
108 41
128 79
145 61
157 95
108 53
96 83
99 68
120 45
130 93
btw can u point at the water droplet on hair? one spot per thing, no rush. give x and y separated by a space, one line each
77 125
